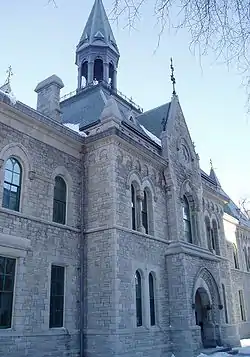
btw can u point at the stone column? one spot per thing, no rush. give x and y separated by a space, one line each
90 72
106 72
139 199
114 86
79 78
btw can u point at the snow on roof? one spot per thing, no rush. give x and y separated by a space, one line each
9 95
151 136
75 127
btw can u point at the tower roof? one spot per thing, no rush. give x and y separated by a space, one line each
97 31
214 176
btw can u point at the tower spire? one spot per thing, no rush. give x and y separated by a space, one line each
172 76
97 53
9 75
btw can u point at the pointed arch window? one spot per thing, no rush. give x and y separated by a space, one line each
138 294
12 184
145 211
133 207
235 256
187 220
59 206
246 258
151 299
225 303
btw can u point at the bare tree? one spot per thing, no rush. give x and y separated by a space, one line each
219 26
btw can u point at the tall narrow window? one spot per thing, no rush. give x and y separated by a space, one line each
59 206
138 293
246 258
133 207
145 212
215 237
56 296
151 299
225 303
12 184
242 307
235 256
208 233
187 220
7 279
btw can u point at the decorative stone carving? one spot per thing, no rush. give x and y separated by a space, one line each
137 165
32 175
1 162
103 155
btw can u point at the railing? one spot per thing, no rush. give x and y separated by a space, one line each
115 91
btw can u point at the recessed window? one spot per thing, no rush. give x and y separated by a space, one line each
56 296
12 184
225 303
145 212
187 220
59 206
235 256
151 299
242 306
7 280
138 293
133 207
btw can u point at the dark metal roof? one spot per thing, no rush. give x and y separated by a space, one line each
155 119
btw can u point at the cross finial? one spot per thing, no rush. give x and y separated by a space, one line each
211 164
9 74
172 75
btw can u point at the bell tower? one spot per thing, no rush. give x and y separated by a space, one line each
97 54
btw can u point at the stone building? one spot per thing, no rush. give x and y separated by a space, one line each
113 241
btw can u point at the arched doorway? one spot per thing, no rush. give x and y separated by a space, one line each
203 317
206 304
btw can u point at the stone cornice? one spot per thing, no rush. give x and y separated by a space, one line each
191 249
41 128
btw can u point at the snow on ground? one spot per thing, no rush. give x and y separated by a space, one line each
244 351
75 127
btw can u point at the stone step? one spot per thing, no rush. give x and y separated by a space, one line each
211 351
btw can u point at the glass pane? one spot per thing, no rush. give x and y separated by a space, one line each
17 169
5 309
13 189
9 165
10 266
8 176
2 265
1 282
8 283
16 179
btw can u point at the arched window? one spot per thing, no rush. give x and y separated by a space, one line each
138 294
187 220
215 237
84 74
111 74
225 303
145 211
12 184
59 206
235 256
98 69
151 299
208 232
246 258
133 207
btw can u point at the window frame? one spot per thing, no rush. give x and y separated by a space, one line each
57 202
138 300
187 220
11 184
242 306
225 303
57 295
145 211
9 326
235 257
152 300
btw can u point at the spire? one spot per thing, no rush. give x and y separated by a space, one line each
213 174
97 31
172 76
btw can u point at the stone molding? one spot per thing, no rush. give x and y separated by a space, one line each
13 245
191 249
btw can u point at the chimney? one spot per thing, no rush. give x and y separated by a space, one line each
48 97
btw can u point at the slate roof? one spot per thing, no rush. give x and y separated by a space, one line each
97 30
154 119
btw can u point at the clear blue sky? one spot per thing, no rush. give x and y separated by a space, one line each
38 40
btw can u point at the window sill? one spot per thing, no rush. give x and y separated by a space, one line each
14 246
36 219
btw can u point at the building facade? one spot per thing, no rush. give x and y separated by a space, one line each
113 241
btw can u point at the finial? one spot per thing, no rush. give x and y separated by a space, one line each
9 74
211 164
172 75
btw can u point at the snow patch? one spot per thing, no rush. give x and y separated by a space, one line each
10 95
152 136
75 127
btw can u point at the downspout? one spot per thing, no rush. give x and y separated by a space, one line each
82 261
